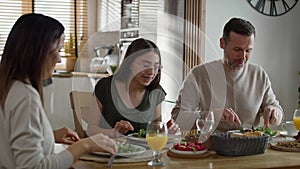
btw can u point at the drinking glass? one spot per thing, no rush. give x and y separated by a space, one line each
296 118
205 124
156 137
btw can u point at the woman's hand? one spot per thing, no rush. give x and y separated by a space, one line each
173 128
101 142
65 136
123 127
96 143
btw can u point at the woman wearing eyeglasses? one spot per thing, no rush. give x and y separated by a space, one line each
131 97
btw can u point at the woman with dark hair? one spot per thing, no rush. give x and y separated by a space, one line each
131 97
30 54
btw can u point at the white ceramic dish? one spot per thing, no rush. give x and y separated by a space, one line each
284 134
141 150
187 152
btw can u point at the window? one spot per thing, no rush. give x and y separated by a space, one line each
71 13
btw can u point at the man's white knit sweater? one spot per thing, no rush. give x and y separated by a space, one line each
247 91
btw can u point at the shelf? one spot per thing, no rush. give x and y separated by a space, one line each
91 75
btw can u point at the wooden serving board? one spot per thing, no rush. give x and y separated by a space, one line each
283 148
204 155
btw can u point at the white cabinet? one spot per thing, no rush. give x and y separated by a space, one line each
57 100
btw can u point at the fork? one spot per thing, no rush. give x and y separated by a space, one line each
111 160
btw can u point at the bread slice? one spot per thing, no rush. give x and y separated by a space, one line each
237 135
247 134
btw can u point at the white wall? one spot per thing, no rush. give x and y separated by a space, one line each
276 44
170 35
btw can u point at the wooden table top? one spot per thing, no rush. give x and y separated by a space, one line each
270 159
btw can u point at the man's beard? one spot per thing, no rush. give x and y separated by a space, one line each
231 65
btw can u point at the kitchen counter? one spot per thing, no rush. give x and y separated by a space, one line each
80 74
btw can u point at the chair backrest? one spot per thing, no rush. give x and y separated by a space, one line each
80 103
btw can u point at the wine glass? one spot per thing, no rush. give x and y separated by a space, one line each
296 119
205 124
156 137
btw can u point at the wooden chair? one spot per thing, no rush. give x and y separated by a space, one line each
80 103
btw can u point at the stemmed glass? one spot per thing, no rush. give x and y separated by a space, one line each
296 119
156 137
205 124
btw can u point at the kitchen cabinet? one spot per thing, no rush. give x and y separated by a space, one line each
57 100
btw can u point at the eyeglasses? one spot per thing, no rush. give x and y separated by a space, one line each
148 66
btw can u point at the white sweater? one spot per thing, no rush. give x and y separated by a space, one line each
27 139
208 86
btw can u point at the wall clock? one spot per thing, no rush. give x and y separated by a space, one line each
273 7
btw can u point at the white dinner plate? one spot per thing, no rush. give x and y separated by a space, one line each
60 147
137 139
139 150
187 152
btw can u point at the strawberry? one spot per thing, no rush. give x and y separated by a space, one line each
189 146
197 148
182 148
189 149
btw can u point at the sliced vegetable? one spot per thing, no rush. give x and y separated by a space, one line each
243 130
270 132
267 131
140 134
257 128
124 147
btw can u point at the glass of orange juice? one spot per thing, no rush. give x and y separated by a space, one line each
296 118
157 138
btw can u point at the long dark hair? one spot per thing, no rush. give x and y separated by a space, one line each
137 48
25 51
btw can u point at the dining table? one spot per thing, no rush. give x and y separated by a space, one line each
269 159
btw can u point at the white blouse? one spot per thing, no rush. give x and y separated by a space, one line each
27 139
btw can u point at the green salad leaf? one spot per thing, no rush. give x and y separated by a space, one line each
140 134
124 147
267 130
270 132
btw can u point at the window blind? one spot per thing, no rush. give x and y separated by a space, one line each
108 15
10 11
71 13
194 33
